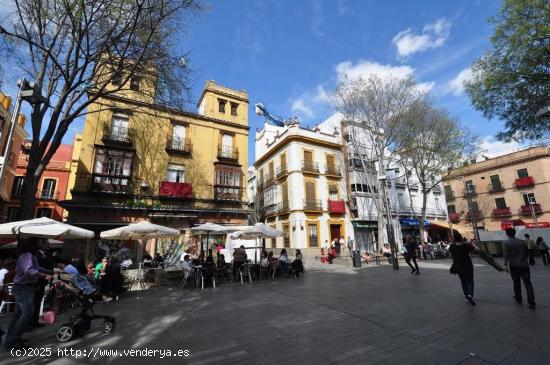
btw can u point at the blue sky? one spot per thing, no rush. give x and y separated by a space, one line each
290 54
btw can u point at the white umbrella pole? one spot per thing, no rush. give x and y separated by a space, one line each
256 251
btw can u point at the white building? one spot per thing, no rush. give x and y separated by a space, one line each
300 172
363 185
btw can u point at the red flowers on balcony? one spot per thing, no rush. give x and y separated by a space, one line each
175 189
337 206
454 217
525 182
502 212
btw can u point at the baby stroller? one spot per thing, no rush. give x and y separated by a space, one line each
80 322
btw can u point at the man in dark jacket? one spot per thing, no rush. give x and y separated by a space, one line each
516 263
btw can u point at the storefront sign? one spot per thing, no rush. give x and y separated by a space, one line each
413 222
538 225
365 224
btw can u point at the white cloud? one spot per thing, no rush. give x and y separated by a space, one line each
425 87
456 85
433 36
300 106
364 68
491 147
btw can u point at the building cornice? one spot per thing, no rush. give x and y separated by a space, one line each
183 113
493 164
295 138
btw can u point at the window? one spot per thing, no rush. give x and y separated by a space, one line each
363 188
529 198
175 173
178 137
451 209
448 190
44 212
228 182
522 173
48 189
119 127
234 107
436 199
17 189
117 78
310 191
227 146
271 168
270 196
331 165
308 156
284 194
495 181
14 214
286 235
475 207
470 188
333 192
401 200
221 105
500 203
312 235
112 171
134 83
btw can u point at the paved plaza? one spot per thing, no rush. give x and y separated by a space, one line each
371 315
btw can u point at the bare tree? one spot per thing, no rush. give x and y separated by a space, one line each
430 144
374 109
80 51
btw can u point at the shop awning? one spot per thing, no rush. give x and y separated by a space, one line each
413 222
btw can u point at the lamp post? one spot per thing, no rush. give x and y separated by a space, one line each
29 92
382 177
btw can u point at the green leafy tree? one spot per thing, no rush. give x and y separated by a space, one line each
512 81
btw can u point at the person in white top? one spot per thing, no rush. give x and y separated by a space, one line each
3 272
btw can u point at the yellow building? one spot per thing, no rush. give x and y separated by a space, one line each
139 160
9 158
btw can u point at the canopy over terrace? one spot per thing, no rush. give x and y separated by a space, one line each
43 228
142 230
257 231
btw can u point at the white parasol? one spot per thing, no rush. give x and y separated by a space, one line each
43 228
257 231
140 231
207 228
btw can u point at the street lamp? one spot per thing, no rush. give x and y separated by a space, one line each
382 177
30 92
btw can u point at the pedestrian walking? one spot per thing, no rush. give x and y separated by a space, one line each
462 265
543 249
27 273
350 247
531 249
337 246
410 246
515 262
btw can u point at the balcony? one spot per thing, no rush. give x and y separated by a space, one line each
526 209
227 193
331 170
524 182
110 184
337 206
283 208
496 188
171 189
270 210
269 179
229 153
476 214
310 167
502 212
313 205
281 171
400 183
46 194
454 217
470 190
178 145
117 135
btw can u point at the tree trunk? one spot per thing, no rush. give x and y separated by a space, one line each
423 218
381 201
30 187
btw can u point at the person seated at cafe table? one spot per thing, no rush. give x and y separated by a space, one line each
283 258
199 260
147 261
221 264
159 260
298 264
208 268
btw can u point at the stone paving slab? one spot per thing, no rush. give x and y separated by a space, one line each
337 316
